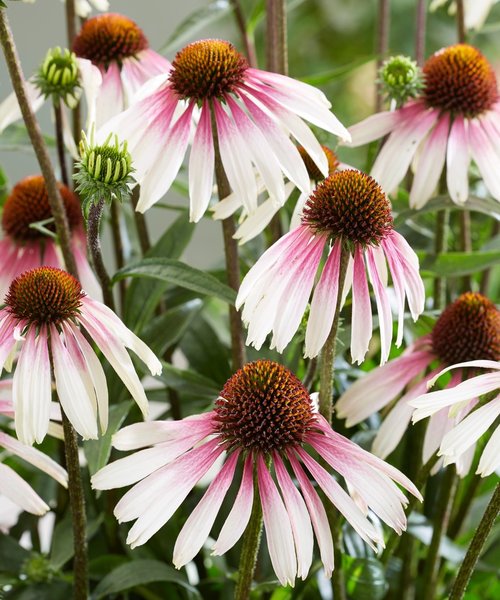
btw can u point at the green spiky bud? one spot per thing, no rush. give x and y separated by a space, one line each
58 77
104 172
401 78
38 569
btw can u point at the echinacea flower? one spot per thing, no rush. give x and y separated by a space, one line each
467 432
45 309
456 117
467 330
13 486
117 46
211 85
24 247
263 413
251 224
348 212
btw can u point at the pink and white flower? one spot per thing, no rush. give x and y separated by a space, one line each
462 437
349 216
24 248
117 46
469 328
15 489
45 309
456 119
253 111
263 413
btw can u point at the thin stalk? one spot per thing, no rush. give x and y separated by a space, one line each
328 352
71 31
465 245
245 38
94 244
461 30
440 246
37 141
421 25
476 545
118 247
61 155
250 547
441 520
384 20
140 223
232 259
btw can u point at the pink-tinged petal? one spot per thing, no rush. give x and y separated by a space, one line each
347 281
277 525
199 523
85 274
139 69
91 80
361 322
477 364
31 388
299 518
468 431
397 153
9 108
318 516
490 458
342 501
383 305
201 166
299 207
18 491
110 101
373 128
163 492
35 458
7 340
486 157
76 398
458 161
431 402
283 82
238 518
430 163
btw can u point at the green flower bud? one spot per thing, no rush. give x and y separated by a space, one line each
104 172
38 569
58 77
401 78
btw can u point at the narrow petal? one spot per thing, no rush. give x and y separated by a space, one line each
257 221
10 111
486 157
490 458
373 128
91 80
383 305
16 489
110 101
361 322
201 166
458 161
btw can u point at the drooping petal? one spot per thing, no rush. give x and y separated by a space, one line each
383 304
458 160
485 156
10 111
361 322
201 166
91 80
16 489
373 128
490 458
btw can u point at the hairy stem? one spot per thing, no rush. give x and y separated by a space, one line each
421 23
440 246
94 244
276 49
461 31
382 44
61 154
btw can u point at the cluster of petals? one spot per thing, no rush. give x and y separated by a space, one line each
182 452
463 436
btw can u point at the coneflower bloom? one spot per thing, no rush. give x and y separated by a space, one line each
348 211
251 224
24 248
463 436
263 415
468 329
45 309
14 487
254 112
117 46
455 118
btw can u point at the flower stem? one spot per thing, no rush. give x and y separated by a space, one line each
61 155
118 247
250 547
476 545
468 495
232 259
140 223
328 353
246 39
94 244
277 49
440 245
382 44
421 20
461 31
55 200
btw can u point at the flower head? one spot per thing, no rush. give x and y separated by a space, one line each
347 213
401 78
29 233
212 88
117 46
58 77
467 330
45 309
452 119
265 419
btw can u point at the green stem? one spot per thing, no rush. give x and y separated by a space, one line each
328 352
476 545
465 245
382 44
140 223
118 247
94 244
246 39
464 505
441 244
461 30
61 154
421 19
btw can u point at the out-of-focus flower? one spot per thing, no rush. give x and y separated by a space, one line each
44 309
401 79
468 329
83 8
347 212
25 247
456 117
475 11
253 111
117 46
263 414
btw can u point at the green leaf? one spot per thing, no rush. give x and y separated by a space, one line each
337 73
365 578
455 264
62 540
15 137
140 572
97 451
487 206
189 382
178 273
12 555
